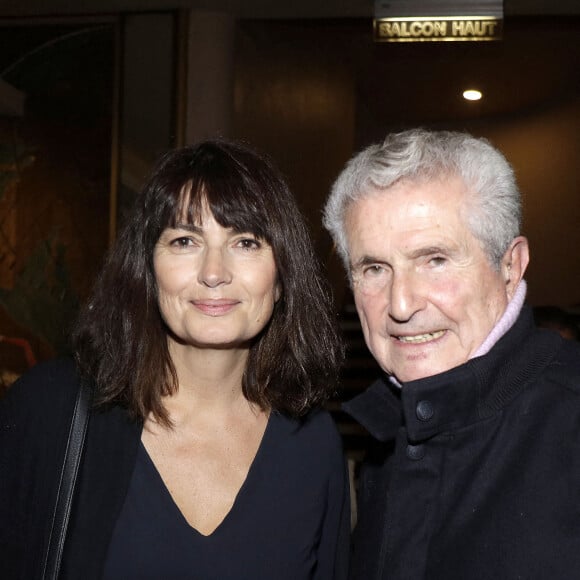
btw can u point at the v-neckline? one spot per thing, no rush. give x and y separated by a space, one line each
174 508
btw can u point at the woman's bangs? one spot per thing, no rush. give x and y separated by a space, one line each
238 209
233 202
187 204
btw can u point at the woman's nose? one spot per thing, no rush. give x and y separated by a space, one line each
214 268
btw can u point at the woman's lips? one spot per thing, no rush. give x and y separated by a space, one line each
216 307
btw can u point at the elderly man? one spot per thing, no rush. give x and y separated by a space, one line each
474 470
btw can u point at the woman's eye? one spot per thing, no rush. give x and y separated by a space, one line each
249 244
182 242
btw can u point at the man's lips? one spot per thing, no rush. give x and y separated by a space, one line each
215 307
419 338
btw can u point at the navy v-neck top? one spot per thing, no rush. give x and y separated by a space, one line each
290 519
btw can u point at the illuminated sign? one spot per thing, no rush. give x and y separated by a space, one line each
422 29
437 20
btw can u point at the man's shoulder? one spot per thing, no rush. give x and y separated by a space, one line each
377 409
564 369
378 392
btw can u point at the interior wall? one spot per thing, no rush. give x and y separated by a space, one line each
543 149
312 94
295 100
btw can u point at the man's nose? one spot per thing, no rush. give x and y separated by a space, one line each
214 269
406 297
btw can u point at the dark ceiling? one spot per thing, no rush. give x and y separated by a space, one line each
257 8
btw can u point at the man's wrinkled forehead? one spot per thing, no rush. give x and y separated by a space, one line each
413 183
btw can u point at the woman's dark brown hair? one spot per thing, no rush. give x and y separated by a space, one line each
121 339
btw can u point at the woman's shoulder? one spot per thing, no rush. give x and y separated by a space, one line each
307 445
58 374
316 431
44 389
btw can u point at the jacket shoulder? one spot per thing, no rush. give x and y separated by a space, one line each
316 431
46 390
564 369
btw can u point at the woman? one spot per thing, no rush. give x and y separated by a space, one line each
211 345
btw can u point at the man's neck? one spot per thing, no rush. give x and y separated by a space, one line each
507 320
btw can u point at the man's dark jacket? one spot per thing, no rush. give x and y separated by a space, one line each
475 473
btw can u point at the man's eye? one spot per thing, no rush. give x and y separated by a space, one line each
437 261
373 271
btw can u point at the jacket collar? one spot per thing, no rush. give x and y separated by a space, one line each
461 396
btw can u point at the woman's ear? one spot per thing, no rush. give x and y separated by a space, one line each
514 263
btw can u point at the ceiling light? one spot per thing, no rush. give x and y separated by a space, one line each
472 95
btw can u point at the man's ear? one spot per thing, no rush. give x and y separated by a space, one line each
514 263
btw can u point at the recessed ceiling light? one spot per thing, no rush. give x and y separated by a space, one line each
472 95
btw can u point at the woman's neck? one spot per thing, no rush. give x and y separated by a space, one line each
209 380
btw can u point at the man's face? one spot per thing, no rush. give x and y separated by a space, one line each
425 291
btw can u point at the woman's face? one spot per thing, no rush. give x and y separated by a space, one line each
216 287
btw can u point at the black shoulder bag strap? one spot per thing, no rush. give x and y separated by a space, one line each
66 486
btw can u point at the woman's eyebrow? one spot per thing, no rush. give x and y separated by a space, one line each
188 228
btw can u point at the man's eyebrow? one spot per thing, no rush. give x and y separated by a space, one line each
429 251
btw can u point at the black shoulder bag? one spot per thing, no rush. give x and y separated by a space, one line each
66 486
